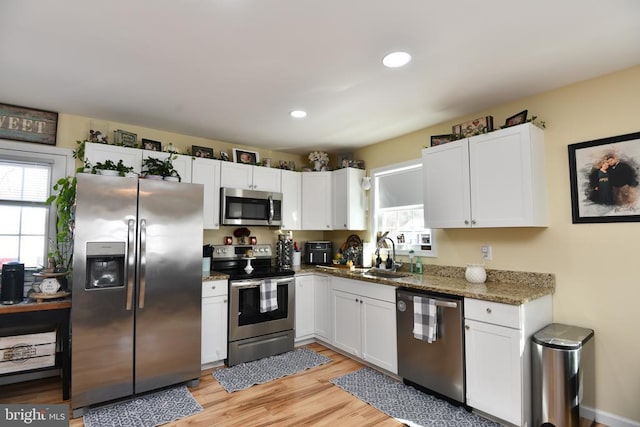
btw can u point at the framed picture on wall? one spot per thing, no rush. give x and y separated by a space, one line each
604 176
245 156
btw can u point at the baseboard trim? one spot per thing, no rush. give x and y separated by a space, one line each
607 418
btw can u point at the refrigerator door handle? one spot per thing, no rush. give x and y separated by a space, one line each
131 258
143 261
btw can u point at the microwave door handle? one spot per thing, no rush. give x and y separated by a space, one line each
143 262
271 209
131 259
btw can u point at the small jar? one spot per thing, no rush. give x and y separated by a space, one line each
475 273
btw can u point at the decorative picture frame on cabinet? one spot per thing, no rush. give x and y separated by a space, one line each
149 144
224 156
205 152
441 139
474 127
604 177
345 160
516 119
245 156
124 138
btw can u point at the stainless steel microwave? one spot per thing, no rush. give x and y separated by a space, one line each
249 207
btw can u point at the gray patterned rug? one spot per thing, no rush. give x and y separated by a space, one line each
145 411
268 369
405 403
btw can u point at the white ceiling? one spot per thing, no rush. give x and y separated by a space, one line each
231 70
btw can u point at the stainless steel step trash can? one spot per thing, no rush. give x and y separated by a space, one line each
562 370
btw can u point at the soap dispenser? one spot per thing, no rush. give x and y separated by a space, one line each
419 266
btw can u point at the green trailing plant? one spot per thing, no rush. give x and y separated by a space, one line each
111 165
161 167
64 200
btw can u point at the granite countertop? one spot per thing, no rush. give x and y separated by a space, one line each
508 287
214 275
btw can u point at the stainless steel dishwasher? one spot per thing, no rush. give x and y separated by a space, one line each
437 366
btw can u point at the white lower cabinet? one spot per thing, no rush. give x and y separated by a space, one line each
214 321
498 361
305 310
322 307
364 321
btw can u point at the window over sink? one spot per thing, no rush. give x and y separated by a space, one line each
397 207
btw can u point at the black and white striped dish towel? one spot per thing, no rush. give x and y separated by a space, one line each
268 296
425 319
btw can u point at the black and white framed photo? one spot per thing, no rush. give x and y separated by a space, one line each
245 156
205 152
224 156
149 144
604 177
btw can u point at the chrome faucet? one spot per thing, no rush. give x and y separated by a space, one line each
394 264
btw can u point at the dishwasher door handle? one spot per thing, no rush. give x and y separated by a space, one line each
446 304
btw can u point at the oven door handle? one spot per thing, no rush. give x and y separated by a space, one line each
241 284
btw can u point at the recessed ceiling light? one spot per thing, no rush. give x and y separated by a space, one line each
298 114
396 59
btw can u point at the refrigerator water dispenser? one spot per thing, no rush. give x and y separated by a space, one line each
105 265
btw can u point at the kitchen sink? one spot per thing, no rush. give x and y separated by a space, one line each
384 274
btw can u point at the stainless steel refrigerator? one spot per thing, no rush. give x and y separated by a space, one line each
137 281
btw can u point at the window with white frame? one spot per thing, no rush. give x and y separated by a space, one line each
27 226
398 208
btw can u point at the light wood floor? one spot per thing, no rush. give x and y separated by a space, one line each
307 398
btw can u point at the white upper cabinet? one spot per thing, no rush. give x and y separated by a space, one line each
317 201
249 177
491 180
349 199
131 157
291 200
207 172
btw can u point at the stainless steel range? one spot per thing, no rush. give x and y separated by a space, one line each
254 331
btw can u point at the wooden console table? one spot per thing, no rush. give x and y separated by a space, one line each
32 314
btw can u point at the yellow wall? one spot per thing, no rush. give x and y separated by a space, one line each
597 274
596 265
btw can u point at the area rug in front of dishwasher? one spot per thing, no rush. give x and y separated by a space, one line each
245 375
405 403
145 411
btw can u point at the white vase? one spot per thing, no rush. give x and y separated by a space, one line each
475 273
317 165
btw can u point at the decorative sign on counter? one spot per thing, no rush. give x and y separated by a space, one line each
28 125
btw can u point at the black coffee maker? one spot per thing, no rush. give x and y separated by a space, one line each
12 283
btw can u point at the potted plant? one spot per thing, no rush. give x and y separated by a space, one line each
153 167
61 251
110 166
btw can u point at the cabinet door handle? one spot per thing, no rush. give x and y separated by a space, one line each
466 222
473 222
213 287
224 300
467 327
488 311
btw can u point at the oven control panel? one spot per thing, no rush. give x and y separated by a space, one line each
222 252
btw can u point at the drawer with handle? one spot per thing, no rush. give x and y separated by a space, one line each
492 312
214 288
